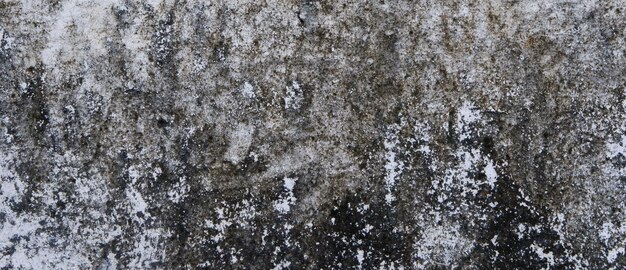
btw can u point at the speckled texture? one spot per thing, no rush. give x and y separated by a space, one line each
312 134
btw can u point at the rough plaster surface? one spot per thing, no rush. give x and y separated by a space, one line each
312 134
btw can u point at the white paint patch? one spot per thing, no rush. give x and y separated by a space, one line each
240 141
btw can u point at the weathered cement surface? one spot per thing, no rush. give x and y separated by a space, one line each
312 134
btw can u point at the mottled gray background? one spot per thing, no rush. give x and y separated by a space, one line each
240 134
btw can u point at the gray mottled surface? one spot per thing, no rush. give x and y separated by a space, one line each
312 134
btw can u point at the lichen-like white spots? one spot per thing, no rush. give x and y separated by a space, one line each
90 20
6 42
616 148
611 256
521 229
441 245
423 137
239 215
606 231
360 258
393 166
548 256
467 115
179 190
459 177
23 87
148 248
199 65
37 252
294 96
136 200
247 90
290 183
293 160
282 265
70 109
110 262
470 159
283 205
367 228
220 227
490 173
11 187
240 141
